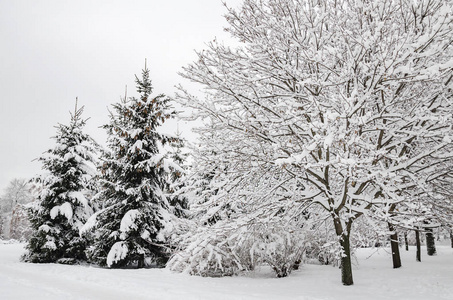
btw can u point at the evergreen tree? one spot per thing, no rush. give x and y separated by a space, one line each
63 205
130 227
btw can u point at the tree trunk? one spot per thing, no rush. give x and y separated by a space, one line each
141 261
406 243
418 256
451 237
430 242
395 249
346 264
297 264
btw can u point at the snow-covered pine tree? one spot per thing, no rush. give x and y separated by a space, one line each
129 229
63 205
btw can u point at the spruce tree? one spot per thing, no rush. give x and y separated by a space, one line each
63 206
129 229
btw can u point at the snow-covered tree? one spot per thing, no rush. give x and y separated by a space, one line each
440 204
351 100
63 205
176 182
20 227
229 235
13 221
17 192
130 229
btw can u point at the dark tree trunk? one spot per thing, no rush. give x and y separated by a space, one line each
297 264
418 255
346 264
141 261
451 237
395 249
406 243
430 242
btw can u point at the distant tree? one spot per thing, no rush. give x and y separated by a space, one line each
406 242
418 254
451 237
130 229
350 99
13 223
441 202
430 241
17 192
20 227
394 245
62 206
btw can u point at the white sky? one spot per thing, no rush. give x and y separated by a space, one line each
55 51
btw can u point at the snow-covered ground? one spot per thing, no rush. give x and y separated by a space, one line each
373 275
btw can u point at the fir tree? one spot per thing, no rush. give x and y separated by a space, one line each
129 230
63 205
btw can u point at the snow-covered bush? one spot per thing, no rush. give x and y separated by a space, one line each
225 250
321 247
228 247
208 252
279 246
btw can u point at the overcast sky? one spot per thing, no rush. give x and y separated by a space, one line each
55 51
